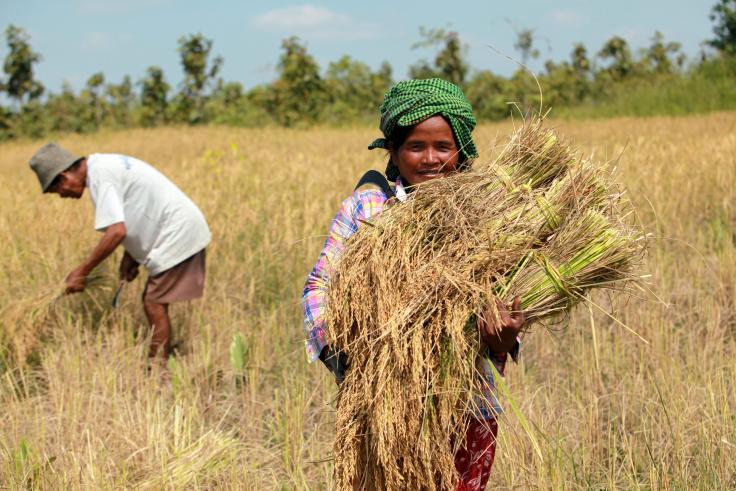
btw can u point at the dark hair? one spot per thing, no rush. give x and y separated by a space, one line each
399 136
74 166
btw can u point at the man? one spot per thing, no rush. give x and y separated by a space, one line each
138 207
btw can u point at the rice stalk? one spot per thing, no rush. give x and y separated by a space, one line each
26 320
537 222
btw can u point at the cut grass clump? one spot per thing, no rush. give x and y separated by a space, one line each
537 222
28 320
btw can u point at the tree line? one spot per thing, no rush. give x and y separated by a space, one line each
348 90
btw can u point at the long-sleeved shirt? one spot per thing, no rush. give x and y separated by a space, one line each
361 206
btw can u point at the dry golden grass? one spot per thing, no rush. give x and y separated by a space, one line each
534 222
608 410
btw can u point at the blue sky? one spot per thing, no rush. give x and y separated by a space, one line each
79 37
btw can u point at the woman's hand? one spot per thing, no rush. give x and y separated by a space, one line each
499 332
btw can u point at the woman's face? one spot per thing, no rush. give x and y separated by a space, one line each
429 151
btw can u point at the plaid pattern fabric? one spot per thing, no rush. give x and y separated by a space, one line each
412 101
361 206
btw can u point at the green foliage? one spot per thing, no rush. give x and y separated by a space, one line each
659 55
525 93
621 64
562 85
354 90
655 80
238 354
18 67
724 16
31 120
6 130
120 99
707 87
64 111
225 103
153 102
299 95
449 63
199 74
92 95
524 44
488 94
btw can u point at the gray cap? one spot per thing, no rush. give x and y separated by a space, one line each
50 161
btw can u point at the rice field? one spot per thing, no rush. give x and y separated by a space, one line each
607 409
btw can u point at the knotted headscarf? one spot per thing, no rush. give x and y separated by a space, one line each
412 101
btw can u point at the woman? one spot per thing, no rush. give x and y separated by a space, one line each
427 127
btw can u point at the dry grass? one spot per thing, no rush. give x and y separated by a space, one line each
609 410
536 222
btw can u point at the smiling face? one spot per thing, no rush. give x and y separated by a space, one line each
429 151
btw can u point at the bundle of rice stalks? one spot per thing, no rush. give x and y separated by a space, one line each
537 223
29 317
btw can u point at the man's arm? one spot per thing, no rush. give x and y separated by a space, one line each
113 236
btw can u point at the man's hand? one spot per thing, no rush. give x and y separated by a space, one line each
499 332
113 236
76 281
128 268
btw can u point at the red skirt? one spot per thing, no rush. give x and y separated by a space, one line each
474 459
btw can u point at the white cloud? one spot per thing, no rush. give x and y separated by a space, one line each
566 17
300 16
99 42
314 22
95 42
116 6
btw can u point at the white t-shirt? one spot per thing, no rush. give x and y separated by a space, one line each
164 227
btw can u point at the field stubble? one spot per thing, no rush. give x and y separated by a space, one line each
609 410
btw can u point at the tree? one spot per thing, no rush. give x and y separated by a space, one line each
199 73
18 67
6 124
659 55
724 16
120 99
525 45
489 95
580 61
354 90
65 110
581 70
449 63
299 95
154 90
93 92
621 63
383 78
228 105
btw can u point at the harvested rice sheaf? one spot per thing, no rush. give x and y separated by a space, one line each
537 222
30 317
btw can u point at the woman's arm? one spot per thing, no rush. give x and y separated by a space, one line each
360 206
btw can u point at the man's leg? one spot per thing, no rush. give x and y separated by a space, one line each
158 317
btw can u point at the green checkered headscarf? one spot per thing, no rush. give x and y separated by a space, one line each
412 101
